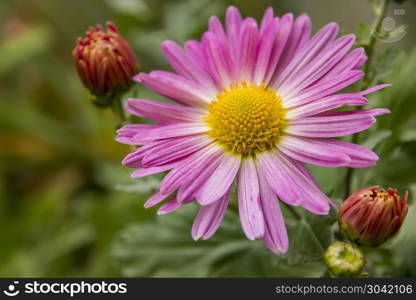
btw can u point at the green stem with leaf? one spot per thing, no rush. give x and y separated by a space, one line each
381 12
117 108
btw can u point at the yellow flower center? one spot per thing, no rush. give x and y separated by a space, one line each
246 119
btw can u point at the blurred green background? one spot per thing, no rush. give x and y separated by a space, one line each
68 208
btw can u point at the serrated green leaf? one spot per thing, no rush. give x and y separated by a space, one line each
310 237
304 244
404 257
376 138
164 247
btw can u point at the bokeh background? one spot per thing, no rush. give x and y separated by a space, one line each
68 208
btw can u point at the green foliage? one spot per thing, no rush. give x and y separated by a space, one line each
404 258
310 237
164 248
68 208
23 47
397 163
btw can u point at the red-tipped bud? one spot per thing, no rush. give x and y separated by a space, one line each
105 62
372 216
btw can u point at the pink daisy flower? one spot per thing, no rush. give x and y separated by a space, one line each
253 104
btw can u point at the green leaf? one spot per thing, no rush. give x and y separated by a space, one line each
310 238
329 179
304 244
164 247
321 226
383 65
404 257
119 178
376 138
399 98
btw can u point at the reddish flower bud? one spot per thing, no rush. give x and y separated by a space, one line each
104 60
372 216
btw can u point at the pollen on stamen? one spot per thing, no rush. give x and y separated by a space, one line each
246 119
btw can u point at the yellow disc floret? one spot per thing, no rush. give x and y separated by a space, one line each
246 119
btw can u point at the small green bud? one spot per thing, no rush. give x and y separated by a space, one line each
344 259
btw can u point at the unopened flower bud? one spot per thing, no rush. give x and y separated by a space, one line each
372 216
344 259
105 62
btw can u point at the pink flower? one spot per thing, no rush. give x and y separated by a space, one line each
253 104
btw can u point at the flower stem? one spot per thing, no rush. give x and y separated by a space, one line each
367 80
117 108
292 211
382 11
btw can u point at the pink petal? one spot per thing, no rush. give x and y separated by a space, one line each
360 156
325 104
267 19
177 88
127 133
247 49
348 63
162 112
195 51
196 179
174 149
216 28
291 184
264 51
193 163
318 203
330 126
143 172
233 24
313 152
220 181
169 206
356 113
209 218
218 60
281 39
171 131
324 88
296 37
155 199
134 158
185 65
271 169
275 236
374 88
251 215
317 67
311 50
